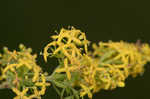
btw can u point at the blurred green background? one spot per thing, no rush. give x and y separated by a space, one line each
32 22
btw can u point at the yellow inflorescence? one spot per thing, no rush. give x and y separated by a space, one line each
106 67
22 74
66 41
20 95
80 72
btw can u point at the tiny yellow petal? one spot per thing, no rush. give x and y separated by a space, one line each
121 84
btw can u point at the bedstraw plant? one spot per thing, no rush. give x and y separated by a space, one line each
80 71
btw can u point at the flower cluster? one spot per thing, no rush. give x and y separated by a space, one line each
80 72
21 73
88 72
119 60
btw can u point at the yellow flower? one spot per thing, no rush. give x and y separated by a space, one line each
12 55
66 69
27 63
20 95
66 41
121 84
36 94
42 84
86 90
9 67
45 54
36 70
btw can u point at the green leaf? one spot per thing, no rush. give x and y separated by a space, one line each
10 76
62 93
21 71
75 77
58 84
57 90
69 97
107 55
27 82
75 93
59 77
68 91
